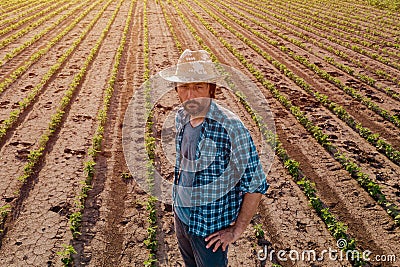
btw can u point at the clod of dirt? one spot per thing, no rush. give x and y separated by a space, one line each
335 74
373 97
22 154
8 199
333 137
352 83
78 118
62 209
18 143
301 227
125 221
370 205
168 207
318 64
27 88
351 147
396 112
380 176
162 107
3 104
371 158
75 152
48 105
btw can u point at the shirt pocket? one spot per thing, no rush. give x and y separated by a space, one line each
212 164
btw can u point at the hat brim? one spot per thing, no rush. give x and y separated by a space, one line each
170 74
182 79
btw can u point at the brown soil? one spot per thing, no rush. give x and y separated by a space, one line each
115 219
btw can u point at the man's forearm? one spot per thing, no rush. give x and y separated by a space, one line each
248 209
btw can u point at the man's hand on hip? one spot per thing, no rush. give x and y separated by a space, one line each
231 234
222 238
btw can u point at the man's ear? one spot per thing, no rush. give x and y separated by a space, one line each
212 87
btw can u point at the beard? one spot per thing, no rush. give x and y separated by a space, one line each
195 107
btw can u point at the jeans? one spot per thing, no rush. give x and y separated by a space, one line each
194 251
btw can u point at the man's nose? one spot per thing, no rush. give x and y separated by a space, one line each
190 93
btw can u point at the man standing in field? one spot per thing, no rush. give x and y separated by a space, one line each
219 179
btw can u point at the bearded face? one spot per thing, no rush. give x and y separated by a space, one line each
195 97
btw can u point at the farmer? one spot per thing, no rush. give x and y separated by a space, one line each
219 179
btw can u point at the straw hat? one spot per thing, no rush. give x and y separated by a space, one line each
193 66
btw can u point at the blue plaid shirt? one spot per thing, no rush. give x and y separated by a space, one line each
227 167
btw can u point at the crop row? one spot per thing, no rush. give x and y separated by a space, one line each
302 19
354 170
8 5
4 210
38 54
171 29
379 72
371 187
349 40
31 27
323 74
27 101
302 23
364 78
10 55
76 217
10 9
351 16
336 228
349 27
368 11
335 108
36 5
283 48
385 4
89 165
347 13
56 120
381 13
12 2
355 28
25 20
151 239
64 104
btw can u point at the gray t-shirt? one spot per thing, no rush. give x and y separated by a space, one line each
188 149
